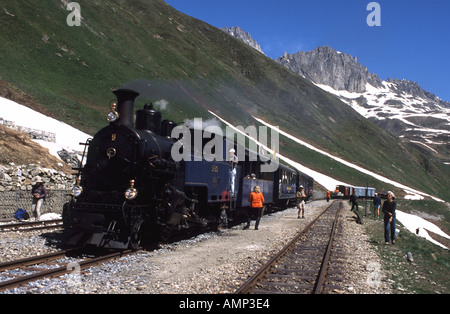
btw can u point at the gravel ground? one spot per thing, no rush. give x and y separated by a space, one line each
210 263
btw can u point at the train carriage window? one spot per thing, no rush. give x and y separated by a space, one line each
267 176
285 177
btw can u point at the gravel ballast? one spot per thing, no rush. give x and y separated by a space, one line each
211 263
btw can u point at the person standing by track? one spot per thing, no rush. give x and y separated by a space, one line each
389 208
376 205
354 201
233 165
256 200
301 197
39 194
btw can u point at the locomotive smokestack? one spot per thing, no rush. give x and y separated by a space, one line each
125 106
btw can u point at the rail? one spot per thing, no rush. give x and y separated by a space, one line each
43 272
302 265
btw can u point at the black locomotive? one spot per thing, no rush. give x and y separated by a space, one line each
131 189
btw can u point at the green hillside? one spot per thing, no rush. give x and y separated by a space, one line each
71 71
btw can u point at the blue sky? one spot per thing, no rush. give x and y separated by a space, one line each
413 41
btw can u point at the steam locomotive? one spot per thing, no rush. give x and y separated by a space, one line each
131 189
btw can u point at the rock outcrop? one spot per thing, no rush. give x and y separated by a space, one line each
240 34
16 178
327 66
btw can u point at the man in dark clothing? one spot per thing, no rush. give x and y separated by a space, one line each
389 207
376 205
39 194
353 201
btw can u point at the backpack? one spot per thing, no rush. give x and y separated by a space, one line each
21 214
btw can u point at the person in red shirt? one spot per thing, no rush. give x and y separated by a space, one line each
256 200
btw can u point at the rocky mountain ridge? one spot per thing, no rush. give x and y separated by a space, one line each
401 107
327 66
242 35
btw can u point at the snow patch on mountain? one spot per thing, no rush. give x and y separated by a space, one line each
421 121
67 137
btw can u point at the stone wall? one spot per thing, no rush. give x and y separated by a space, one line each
16 183
22 178
34 134
11 200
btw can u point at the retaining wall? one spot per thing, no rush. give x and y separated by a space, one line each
11 200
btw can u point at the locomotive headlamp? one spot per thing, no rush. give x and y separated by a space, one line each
131 193
77 189
113 115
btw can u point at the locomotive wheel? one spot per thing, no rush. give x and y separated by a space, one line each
136 235
165 233
135 240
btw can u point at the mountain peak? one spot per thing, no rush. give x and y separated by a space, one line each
327 66
242 35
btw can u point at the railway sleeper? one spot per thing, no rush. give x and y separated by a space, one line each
284 286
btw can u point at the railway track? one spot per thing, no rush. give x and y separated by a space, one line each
307 265
32 226
56 264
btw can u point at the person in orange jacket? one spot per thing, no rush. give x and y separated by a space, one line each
256 200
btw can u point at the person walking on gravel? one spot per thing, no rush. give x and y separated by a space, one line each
354 201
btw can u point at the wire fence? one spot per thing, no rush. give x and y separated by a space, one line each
10 201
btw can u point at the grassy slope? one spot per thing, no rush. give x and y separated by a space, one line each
72 70
428 274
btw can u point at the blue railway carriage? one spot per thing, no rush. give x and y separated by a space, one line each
308 184
288 180
264 182
210 181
